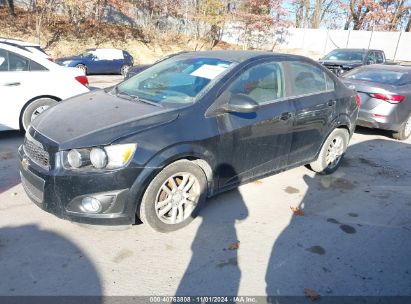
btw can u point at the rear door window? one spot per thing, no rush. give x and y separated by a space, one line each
4 62
371 57
308 79
379 57
18 63
264 83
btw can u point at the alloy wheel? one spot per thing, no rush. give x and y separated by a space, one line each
177 198
335 151
38 111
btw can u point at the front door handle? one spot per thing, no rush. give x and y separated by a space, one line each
331 103
12 84
285 116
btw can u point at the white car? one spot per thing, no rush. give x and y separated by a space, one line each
30 84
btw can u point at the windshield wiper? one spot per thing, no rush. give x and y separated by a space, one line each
134 97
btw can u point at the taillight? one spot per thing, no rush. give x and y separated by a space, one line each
358 100
83 80
389 98
50 59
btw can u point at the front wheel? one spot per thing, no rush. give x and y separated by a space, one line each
332 152
174 197
405 130
34 109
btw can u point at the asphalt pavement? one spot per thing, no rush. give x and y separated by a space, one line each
351 236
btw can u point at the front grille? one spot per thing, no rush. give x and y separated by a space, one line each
35 151
34 193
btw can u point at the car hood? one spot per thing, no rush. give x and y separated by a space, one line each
341 62
98 118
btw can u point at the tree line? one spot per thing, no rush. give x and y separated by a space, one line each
208 18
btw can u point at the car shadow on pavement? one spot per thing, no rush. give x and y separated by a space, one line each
36 262
369 131
214 266
9 160
349 237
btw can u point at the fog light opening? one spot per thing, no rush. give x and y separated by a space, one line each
91 204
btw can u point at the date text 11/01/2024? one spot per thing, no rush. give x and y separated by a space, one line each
203 299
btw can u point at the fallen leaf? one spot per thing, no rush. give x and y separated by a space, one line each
258 182
6 155
234 246
14 194
297 211
311 294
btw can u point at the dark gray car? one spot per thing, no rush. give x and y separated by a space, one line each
385 93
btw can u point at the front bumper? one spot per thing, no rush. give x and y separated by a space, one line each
59 191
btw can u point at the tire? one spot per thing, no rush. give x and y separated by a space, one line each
33 109
124 70
82 67
156 200
405 131
322 165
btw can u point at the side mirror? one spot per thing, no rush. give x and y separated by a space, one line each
241 103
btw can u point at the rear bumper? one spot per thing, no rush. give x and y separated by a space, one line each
370 120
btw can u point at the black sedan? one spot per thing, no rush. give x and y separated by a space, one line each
385 94
187 128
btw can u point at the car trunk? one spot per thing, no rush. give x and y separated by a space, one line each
365 88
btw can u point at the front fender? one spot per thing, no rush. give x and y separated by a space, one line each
164 158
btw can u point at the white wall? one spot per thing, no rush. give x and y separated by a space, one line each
396 45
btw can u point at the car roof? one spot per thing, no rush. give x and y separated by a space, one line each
23 52
356 50
388 67
19 42
236 56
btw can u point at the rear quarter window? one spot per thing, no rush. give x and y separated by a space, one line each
34 66
309 79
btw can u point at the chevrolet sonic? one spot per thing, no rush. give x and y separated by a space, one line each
157 145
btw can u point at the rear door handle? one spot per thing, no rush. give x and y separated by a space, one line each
285 116
331 103
12 84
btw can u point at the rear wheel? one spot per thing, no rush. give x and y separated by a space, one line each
332 152
82 67
405 130
174 197
34 109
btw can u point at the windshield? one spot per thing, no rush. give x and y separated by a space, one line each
345 55
380 76
175 80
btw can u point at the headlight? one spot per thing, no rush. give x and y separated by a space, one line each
78 158
67 62
109 157
98 158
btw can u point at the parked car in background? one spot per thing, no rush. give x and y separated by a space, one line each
30 84
100 61
187 128
340 61
28 46
385 93
134 70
